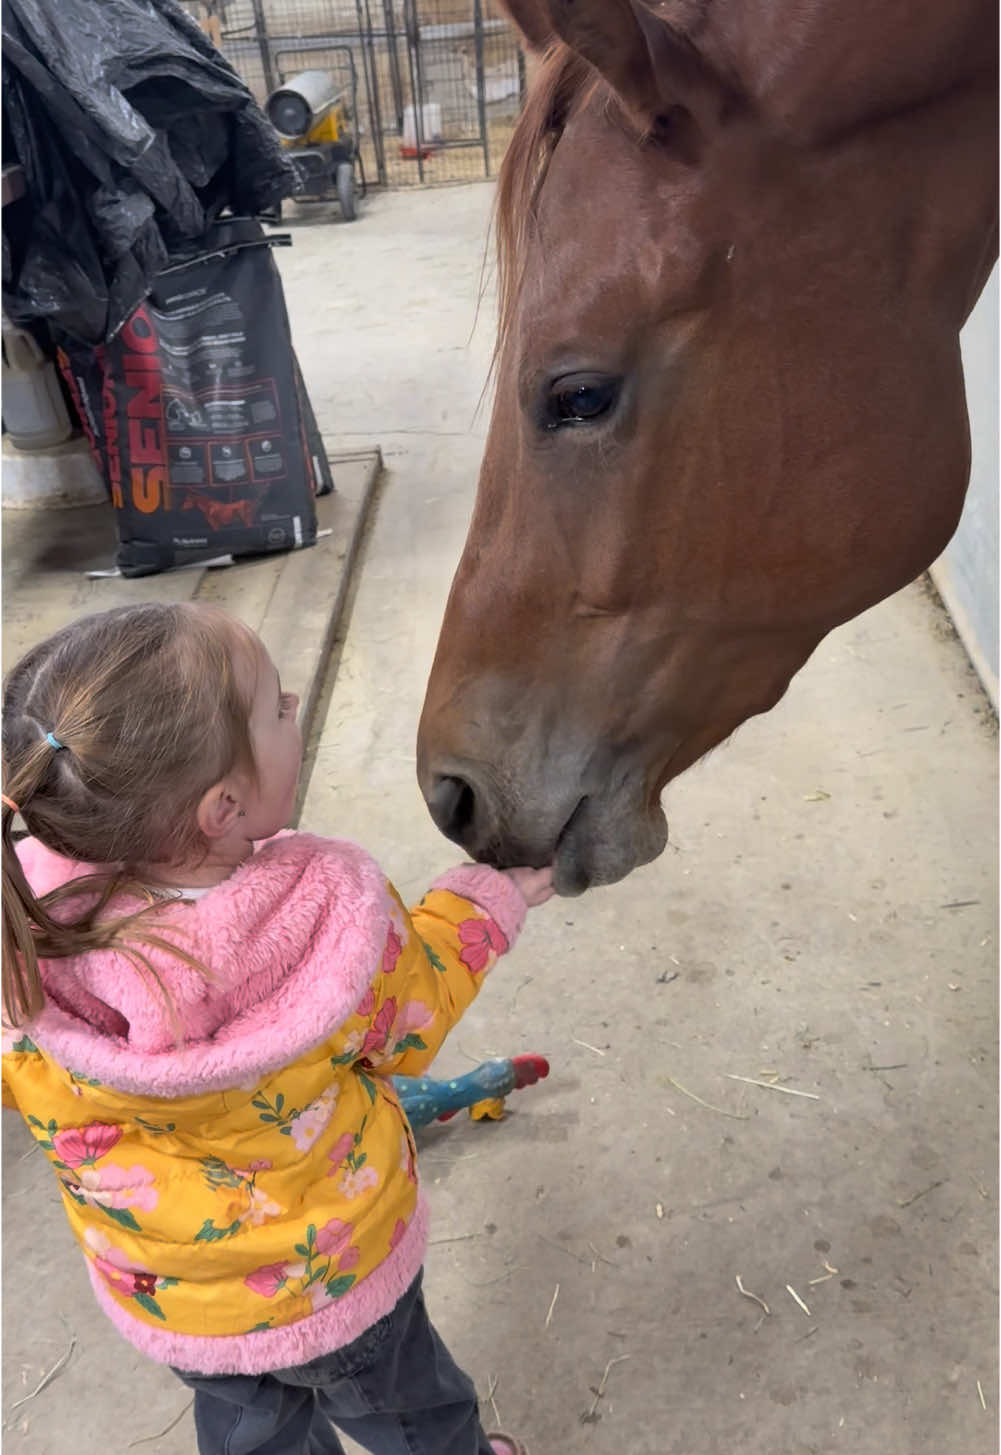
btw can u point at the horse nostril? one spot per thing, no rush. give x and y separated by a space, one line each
452 803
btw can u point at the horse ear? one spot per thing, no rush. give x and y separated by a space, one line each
607 34
653 67
532 19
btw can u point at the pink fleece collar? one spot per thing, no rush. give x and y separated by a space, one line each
293 939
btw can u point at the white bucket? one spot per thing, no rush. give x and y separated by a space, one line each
34 412
430 125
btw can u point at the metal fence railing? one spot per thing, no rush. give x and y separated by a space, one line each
440 82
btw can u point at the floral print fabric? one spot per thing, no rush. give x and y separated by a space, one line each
231 1212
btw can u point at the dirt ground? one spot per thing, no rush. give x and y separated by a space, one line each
824 922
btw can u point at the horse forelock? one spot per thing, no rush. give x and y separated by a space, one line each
564 83
564 80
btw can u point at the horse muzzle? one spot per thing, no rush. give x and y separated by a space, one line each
590 837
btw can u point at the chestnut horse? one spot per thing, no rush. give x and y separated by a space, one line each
738 240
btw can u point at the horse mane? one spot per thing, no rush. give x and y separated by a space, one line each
563 79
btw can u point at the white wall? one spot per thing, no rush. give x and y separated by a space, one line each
966 575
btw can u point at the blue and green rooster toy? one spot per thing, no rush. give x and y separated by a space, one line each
482 1091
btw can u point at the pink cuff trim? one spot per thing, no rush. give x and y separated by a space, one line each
491 891
293 1344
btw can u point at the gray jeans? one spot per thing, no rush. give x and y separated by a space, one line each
396 1391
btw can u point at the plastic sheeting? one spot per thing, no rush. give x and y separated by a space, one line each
134 135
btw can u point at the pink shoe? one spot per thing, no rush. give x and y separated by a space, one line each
506 1445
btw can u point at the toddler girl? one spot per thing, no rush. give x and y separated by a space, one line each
203 1014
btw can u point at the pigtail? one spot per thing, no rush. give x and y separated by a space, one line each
30 932
23 996
23 915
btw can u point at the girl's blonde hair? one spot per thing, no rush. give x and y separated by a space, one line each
145 704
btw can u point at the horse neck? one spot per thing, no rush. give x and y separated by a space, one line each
818 70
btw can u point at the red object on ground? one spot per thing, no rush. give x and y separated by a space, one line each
529 1069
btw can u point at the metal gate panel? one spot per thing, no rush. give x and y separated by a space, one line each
441 82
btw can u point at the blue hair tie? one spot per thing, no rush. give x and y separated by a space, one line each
54 742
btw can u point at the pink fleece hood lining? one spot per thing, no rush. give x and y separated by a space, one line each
320 906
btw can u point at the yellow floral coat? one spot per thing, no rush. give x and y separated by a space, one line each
246 1194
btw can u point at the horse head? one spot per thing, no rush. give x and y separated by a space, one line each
737 246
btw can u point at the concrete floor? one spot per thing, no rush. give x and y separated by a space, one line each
826 913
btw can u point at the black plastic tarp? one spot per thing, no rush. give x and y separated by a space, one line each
134 135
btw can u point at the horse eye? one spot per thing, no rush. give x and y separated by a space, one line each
580 399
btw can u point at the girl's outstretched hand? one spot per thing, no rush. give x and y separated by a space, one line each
536 885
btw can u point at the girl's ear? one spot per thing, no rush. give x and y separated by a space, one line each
218 810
